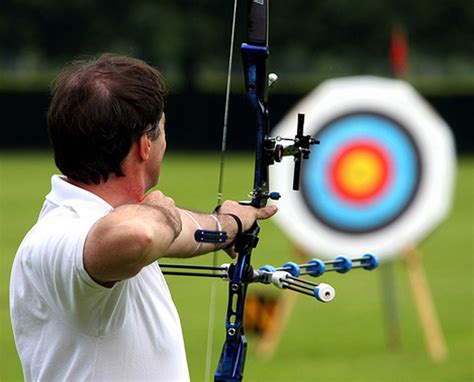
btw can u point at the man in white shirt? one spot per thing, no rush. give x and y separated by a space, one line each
88 299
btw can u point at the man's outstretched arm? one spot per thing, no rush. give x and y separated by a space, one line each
131 237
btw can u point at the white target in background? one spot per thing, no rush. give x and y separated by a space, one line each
381 178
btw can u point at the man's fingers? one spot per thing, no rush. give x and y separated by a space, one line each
159 199
266 212
231 252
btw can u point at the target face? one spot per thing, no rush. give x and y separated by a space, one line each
364 175
380 180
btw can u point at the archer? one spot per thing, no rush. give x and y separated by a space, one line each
88 299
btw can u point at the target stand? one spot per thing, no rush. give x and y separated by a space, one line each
380 181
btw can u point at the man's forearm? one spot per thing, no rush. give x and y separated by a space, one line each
186 246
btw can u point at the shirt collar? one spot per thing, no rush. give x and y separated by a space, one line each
81 201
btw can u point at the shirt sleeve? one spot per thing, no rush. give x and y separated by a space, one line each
54 258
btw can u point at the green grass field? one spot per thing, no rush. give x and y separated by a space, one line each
341 341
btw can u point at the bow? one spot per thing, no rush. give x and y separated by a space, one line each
268 150
255 52
254 55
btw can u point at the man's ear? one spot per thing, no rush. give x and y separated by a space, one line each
144 147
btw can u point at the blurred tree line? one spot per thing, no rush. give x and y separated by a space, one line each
189 40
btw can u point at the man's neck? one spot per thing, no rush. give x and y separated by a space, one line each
116 191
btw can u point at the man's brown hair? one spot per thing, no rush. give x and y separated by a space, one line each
99 108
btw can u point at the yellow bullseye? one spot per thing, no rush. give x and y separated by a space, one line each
360 173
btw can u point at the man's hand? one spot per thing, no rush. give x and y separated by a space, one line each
247 214
167 206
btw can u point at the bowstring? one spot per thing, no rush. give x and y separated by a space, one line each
210 327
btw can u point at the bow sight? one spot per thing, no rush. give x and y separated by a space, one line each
300 150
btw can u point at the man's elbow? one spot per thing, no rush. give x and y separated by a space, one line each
152 242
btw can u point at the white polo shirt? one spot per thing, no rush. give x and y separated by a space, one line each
69 328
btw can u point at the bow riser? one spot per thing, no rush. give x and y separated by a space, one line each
254 60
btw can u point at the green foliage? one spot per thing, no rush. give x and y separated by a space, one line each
343 340
189 40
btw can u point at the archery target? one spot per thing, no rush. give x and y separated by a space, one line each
372 172
381 178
